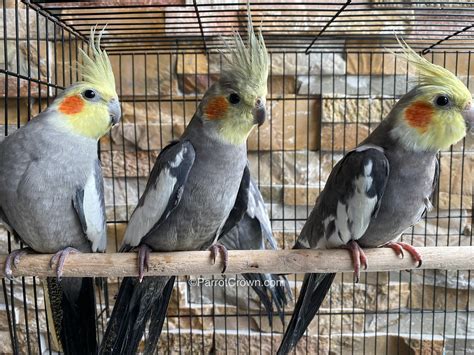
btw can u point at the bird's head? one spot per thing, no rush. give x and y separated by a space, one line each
236 103
91 106
437 112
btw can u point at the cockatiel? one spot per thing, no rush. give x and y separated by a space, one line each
383 186
51 191
191 190
253 231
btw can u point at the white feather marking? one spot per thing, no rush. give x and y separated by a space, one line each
353 217
361 206
179 157
148 214
95 227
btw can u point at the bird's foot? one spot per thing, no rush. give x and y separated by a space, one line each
59 258
143 259
399 247
13 259
358 258
219 248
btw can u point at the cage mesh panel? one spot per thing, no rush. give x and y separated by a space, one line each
331 82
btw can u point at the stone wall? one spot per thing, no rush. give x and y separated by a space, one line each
320 106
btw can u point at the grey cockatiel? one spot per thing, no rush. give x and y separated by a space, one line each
383 187
191 190
251 230
51 192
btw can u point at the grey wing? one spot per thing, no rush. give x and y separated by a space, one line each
256 209
162 193
350 200
238 211
90 207
433 199
248 225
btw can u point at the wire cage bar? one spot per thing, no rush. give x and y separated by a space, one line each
331 82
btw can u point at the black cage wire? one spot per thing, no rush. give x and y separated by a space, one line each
331 82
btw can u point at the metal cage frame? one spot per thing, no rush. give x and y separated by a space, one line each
40 41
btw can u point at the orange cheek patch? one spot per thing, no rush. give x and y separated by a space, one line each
418 115
71 105
216 108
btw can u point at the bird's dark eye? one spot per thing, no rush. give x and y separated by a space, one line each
89 94
234 98
442 100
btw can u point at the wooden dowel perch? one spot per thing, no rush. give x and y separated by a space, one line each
244 261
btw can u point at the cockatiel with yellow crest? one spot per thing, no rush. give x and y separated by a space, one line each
191 191
51 191
383 186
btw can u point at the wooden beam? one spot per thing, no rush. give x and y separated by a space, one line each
244 261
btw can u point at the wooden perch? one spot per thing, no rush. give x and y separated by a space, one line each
244 261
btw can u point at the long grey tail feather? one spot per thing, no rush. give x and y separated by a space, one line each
257 284
72 302
314 289
279 293
135 303
158 317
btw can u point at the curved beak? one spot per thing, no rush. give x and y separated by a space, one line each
114 111
468 115
259 112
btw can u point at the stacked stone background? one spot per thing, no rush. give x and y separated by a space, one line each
321 105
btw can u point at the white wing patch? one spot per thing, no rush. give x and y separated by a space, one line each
154 204
94 215
352 217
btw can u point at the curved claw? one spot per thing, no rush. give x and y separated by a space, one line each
13 259
358 258
59 258
400 246
219 248
397 248
143 259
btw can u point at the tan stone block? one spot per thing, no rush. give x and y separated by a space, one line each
427 345
292 124
279 85
66 71
4 316
145 74
115 234
119 164
17 110
215 24
192 84
169 110
386 22
196 84
342 137
193 64
179 300
300 195
26 294
459 63
374 61
34 63
455 183
355 110
284 239
441 298
145 137
290 168
301 64
368 298
6 346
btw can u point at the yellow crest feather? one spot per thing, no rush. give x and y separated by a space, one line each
96 68
249 62
431 74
